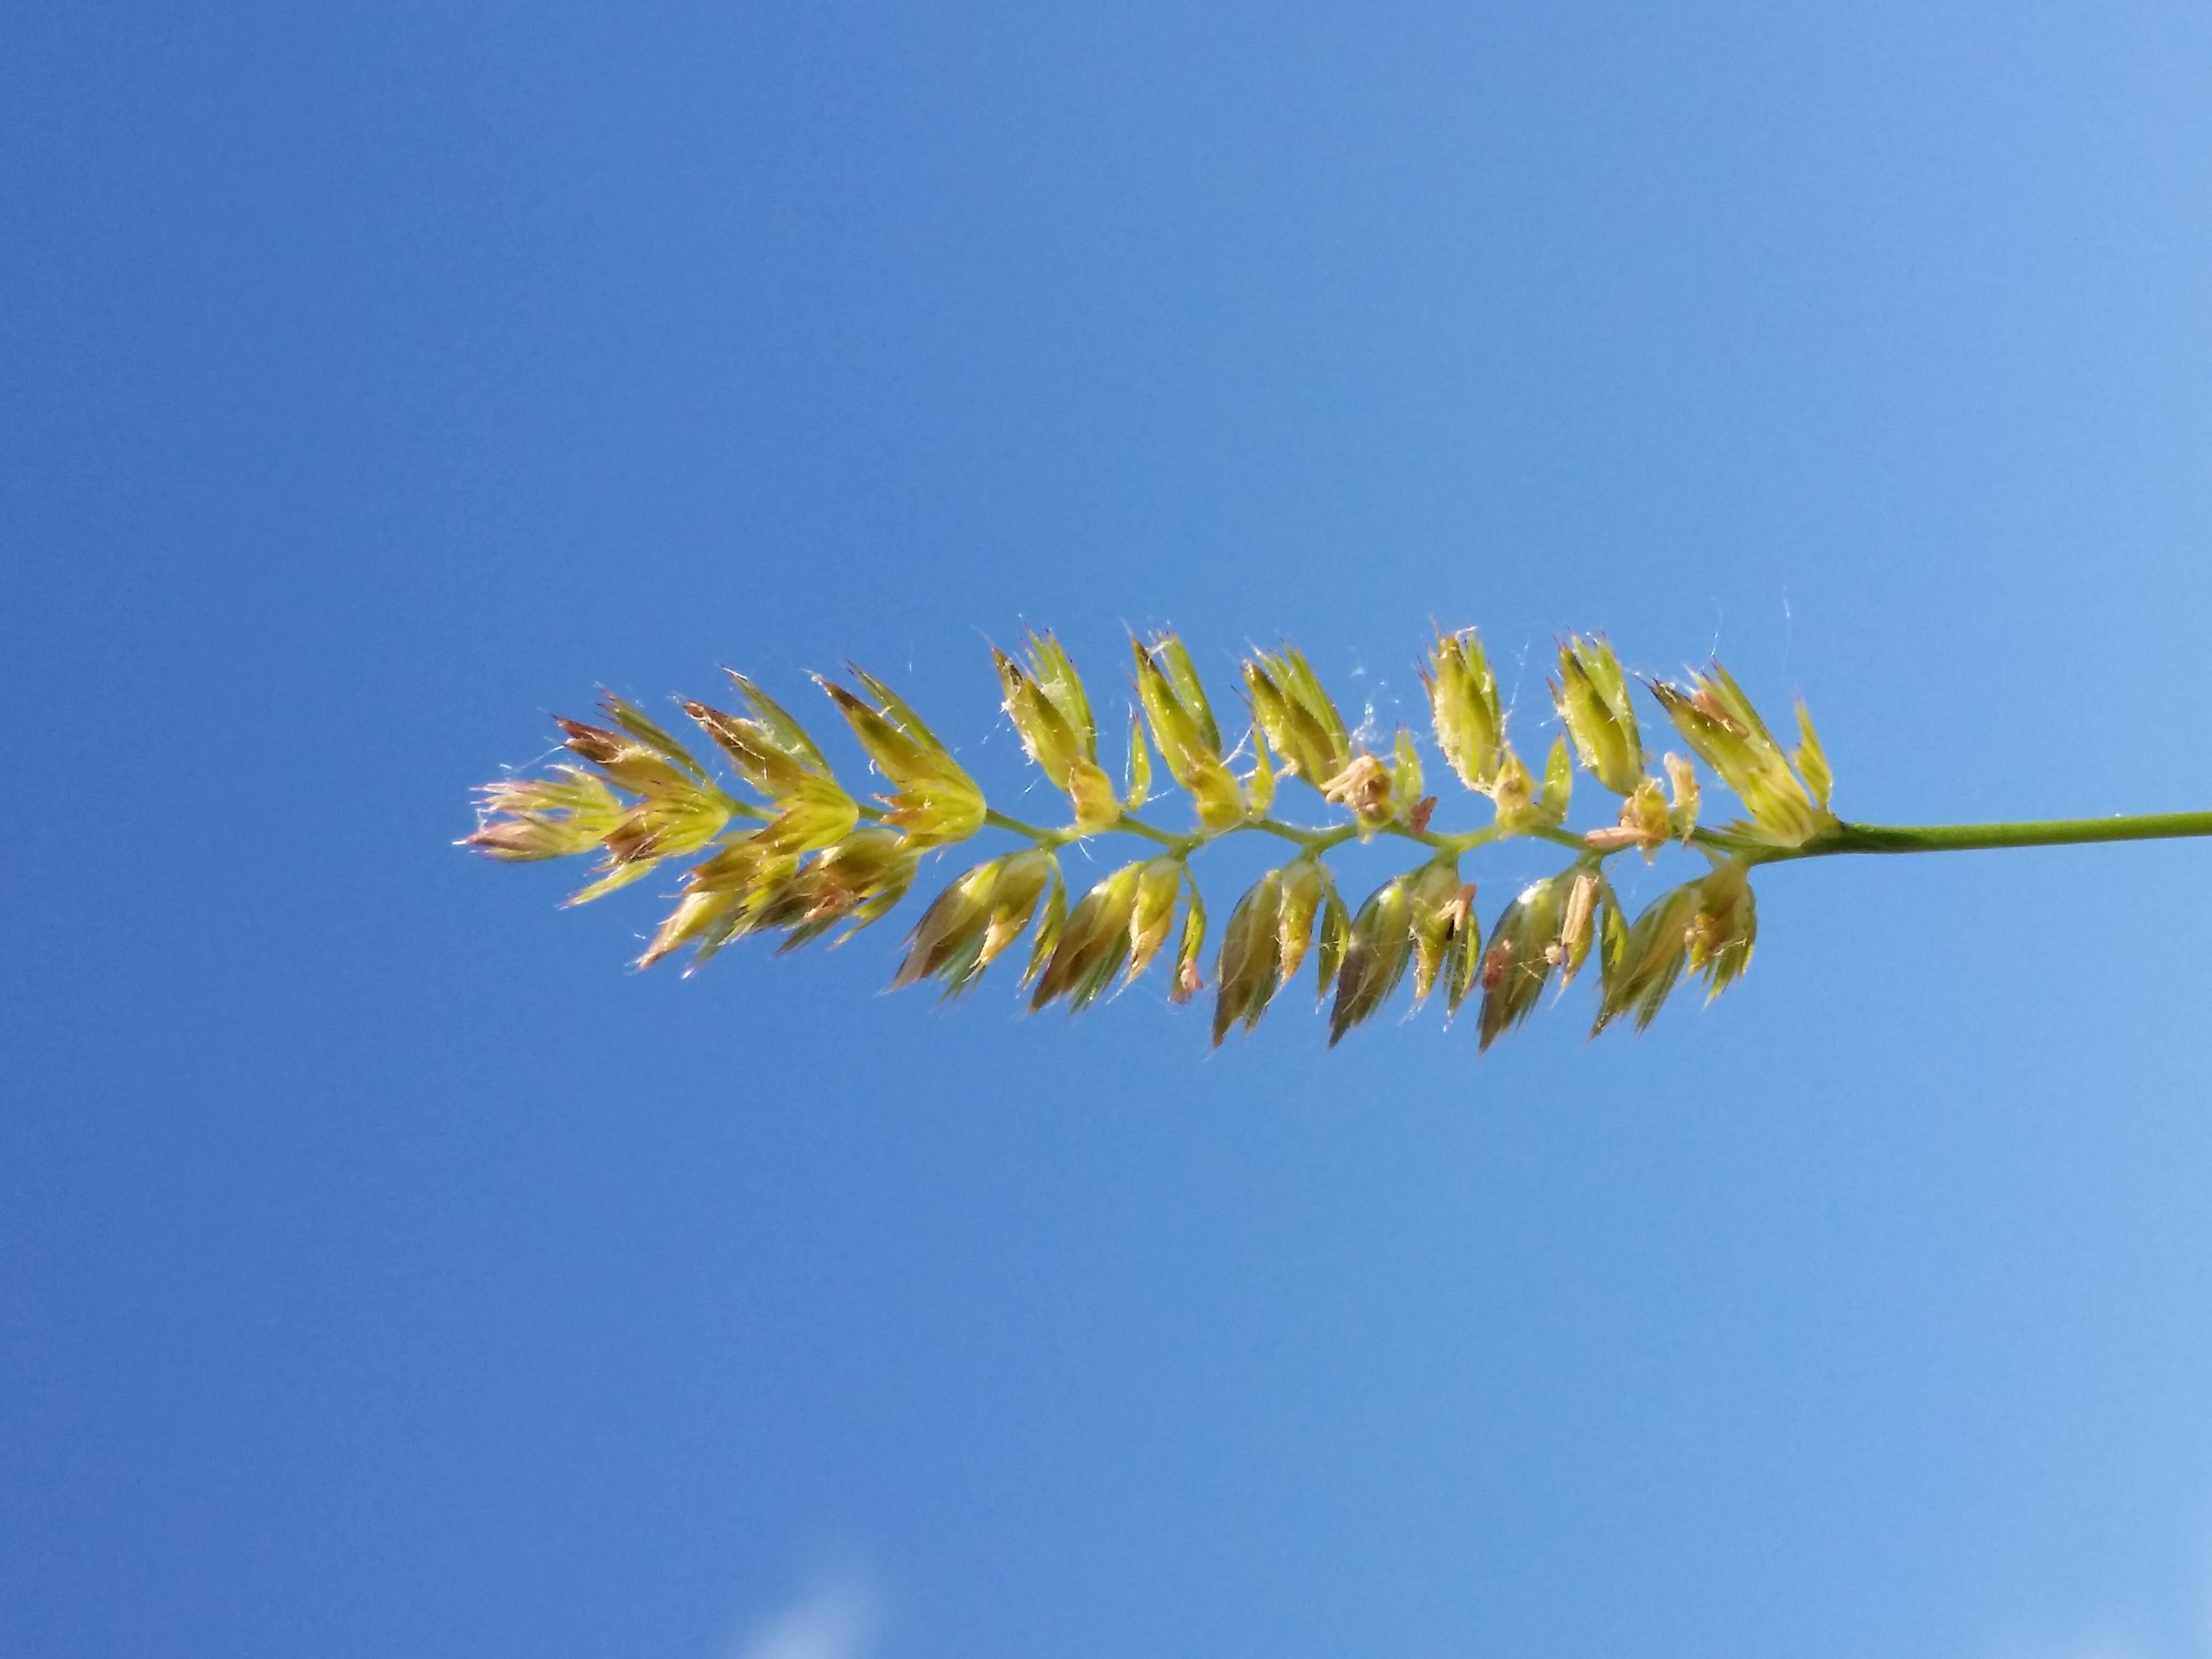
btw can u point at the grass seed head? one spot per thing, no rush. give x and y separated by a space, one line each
808 857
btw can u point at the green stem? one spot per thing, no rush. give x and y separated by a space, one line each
1466 840
1177 846
1979 837
1559 837
1312 841
1043 837
1842 839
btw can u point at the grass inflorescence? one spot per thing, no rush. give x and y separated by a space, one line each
773 842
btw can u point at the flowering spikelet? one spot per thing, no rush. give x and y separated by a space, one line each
1443 908
770 750
1189 944
1140 766
1182 725
550 817
947 943
1045 700
1592 696
1305 886
1716 718
1299 717
1050 921
1363 789
1093 943
1724 926
1576 925
1246 976
1526 807
778 845
1648 961
1463 707
1153 912
642 768
1645 823
1524 948
936 802
1332 935
1375 953
1021 881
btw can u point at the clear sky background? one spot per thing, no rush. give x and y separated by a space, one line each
384 1270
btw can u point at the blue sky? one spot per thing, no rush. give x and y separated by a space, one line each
383 1269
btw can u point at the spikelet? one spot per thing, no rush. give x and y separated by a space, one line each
1787 808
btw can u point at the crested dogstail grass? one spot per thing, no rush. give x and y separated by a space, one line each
798 855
